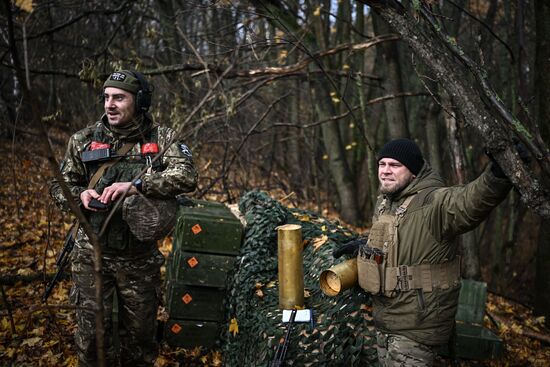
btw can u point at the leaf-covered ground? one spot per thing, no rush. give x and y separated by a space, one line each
34 334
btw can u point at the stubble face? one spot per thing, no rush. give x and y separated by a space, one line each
393 176
119 106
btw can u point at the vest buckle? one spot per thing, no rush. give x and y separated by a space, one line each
403 278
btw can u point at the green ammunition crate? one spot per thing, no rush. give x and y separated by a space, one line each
477 342
471 302
206 226
194 303
207 239
199 269
189 333
471 339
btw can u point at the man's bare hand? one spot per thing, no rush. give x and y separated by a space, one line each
116 190
86 196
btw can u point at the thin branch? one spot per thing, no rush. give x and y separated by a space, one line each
79 17
243 141
486 26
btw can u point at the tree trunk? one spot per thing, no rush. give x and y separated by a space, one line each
396 112
542 87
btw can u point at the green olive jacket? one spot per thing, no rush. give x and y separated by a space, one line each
427 234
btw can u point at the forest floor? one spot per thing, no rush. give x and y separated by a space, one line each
32 230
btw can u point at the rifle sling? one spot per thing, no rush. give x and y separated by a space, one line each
101 170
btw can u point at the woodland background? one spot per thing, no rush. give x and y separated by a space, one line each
290 97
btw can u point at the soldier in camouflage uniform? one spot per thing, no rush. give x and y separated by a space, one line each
416 282
131 268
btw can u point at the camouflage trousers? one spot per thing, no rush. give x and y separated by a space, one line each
399 351
136 281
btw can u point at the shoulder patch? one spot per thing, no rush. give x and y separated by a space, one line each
185 150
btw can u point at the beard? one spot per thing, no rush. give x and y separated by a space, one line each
394 187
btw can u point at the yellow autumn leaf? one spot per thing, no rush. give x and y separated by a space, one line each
216 359
302 217
281 57
234 327
161 361
517 328
324 228
351 125
31 342
317 11
25 5
24 271
72 361
345 67
348 147
50 343
319 241
271 284
325 157
279 36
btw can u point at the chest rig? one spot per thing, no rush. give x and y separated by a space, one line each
108 161
379 271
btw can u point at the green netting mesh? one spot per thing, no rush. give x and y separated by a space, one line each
343 334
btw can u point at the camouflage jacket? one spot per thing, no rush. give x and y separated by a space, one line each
173 175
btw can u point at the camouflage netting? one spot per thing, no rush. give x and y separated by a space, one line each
343 333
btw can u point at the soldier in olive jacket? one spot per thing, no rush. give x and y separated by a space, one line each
131 268
417 219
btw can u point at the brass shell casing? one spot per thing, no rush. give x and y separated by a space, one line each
339 278
291 272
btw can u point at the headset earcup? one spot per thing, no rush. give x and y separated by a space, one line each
143 100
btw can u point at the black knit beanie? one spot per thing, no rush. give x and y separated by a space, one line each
405 151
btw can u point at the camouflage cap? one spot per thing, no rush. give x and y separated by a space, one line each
123 79
149 219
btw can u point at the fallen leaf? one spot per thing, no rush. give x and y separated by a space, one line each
319 241
31 342
234 327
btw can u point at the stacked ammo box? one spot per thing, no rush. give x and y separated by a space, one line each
207 239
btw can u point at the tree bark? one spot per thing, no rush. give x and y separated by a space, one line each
396 112
542 87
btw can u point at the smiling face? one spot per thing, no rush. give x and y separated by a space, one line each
119 106
393 176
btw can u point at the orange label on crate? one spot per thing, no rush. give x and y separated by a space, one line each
193 262
187 298
176 328
196 229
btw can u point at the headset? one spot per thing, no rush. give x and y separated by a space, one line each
143 95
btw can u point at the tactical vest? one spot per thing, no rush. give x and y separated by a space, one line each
382 274
118 237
